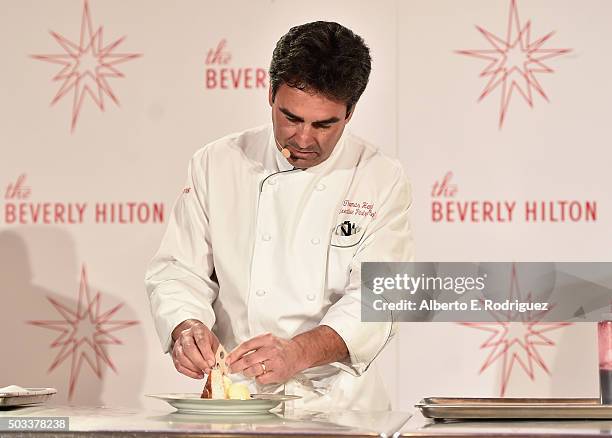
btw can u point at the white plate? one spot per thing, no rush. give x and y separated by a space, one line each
192 403
26 396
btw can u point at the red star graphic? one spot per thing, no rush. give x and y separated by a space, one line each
84 333
514 62
516 342
86 66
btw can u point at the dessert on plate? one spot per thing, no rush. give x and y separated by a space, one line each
219 386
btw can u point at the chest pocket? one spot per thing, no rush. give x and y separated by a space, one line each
348 233
345 239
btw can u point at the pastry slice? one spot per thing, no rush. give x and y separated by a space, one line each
217 385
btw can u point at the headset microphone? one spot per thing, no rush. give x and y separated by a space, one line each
286 152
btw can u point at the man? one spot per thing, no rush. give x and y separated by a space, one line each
264 247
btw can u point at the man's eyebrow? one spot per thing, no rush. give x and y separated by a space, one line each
299 119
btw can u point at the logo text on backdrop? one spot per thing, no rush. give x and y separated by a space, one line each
447 206
21 210
219 74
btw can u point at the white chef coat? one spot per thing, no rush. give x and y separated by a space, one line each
255 246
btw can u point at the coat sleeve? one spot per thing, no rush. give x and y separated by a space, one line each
180 277
388 239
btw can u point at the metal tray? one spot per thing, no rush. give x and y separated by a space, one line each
513 408
31 396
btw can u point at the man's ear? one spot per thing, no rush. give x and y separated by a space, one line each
348 118
270 100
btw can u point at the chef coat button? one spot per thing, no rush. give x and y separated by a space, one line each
315 241
260 293
266 237
272 181
320 187
311 297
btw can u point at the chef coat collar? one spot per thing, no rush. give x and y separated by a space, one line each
284 165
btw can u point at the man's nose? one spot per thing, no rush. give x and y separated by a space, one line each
304 135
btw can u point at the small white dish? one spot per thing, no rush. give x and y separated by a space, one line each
17 396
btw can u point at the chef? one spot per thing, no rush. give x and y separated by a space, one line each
263 250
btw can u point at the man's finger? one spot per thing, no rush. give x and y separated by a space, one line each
206 349
253 371
192 352
249 360
252 344
179 355
181 369
184 366
266 378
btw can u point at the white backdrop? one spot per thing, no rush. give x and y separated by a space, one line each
553 151
421 105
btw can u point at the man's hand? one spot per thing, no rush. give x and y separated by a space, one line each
281 359
193 348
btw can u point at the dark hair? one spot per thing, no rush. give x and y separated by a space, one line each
324 57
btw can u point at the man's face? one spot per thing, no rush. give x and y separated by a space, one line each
307 124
